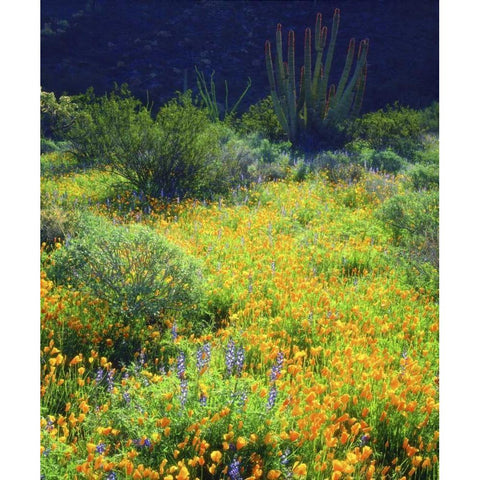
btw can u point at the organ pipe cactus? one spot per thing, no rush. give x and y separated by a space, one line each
317 104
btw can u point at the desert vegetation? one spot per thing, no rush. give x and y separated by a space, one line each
222 298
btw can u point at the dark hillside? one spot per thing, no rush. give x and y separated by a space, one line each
154 45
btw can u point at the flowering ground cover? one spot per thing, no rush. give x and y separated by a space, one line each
316 360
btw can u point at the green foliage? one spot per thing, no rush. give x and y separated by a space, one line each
173 155
429 154
396 127
58 219
430 117
260 118
142 277
252 158
57 116
424 177
319 107
109 126
412 218
387 161
209 98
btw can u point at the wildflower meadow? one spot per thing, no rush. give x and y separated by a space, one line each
312 356
244 292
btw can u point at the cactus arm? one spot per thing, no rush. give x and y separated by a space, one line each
291 93
301 96
282 90
301 105
346 68
333 41
343 106
330 98
308 68
269 65
320 42
280 112
357 103
320 80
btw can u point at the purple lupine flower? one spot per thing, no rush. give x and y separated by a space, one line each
112 476
110 381
49 425
100 448
174 331
239 360
230 357
99 377
181 365
203 356
126 397
203 399
364 440
234 470
183 391
272 396
284 458
277 368
147 443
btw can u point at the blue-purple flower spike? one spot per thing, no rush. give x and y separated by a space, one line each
272 396
234 470
277 368
239 360
230 357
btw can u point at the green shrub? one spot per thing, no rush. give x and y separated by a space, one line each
424 177
252 158
396 127
429 154
143 278
56 116
261 118
339 166
174 155
48 146
430 118
115 125
58 220
387 161
412 219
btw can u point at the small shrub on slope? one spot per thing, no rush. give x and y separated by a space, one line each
412 218
398 128
141 275
173 155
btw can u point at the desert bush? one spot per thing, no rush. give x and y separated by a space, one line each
430 118
261 118
109 126
141 276
387 161
412 219
58 219
173 155
56 116
429 154
396 127
339 166
253 158
424 177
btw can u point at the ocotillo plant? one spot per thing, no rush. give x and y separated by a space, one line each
316 105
